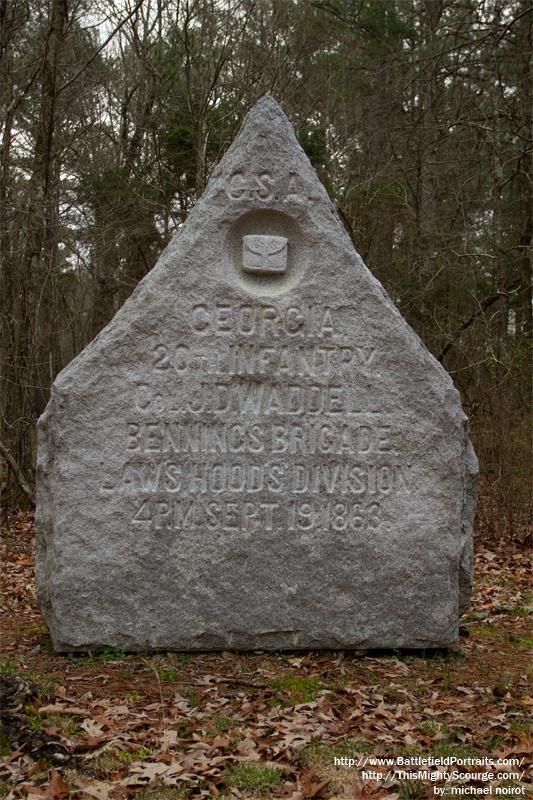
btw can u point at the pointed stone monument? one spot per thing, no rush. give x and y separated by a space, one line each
257 451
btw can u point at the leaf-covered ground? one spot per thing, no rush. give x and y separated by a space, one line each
261 725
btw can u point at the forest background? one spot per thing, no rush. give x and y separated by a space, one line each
416 114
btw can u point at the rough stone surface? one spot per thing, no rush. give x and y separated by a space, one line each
257 452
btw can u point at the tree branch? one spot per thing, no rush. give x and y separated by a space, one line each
17 472
102 46
487 303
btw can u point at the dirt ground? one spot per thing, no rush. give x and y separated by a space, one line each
263 725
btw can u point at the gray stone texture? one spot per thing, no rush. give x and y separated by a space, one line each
257 451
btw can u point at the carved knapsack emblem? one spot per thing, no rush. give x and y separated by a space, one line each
264 254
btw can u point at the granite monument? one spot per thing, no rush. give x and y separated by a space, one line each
257 451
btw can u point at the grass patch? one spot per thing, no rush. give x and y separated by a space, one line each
126 757
253 777
46 687
171 793
415 688
5 788
363 746
35 724
412 790
409 750
431 728
47 644
509 784
321 752
299 689
105 764
488 633
493 743
33 629
64 723
448 654
112 654
193 699
505 681
222 724
449 679
166 669
320 756
112 760
447 748
169 674
520 726
525 641
5 744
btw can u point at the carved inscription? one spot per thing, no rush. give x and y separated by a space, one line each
141 477
263 185
192 515
262 322
168 437
265 434
296 361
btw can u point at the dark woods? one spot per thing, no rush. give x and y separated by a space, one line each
415 113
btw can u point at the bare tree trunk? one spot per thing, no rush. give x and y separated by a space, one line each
47 177
525 305
33 277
